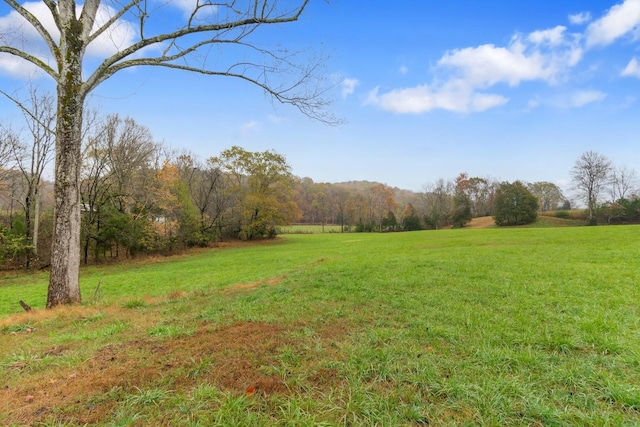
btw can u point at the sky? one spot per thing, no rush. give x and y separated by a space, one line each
425 89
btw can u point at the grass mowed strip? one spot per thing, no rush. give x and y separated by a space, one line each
484 327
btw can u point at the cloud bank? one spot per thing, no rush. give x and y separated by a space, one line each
475 79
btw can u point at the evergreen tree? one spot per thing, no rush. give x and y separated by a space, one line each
515 205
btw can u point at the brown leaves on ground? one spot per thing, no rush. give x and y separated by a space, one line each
230 357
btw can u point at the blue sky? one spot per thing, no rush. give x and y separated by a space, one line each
428 89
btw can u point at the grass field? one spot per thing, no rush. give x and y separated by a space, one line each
530 326
309 229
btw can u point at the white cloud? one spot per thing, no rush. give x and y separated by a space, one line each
348 86
248 127
465 75
584 97
422 99
188 6
119 36
278 120
632 69
542 55
14 66
620 20
553 36
533 104
17 32
403 70
580 18
578 99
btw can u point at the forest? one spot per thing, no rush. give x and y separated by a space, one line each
141 197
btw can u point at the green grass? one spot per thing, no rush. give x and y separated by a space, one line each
309 229
518 326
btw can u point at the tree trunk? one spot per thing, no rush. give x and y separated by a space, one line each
27 225
36 221
64 287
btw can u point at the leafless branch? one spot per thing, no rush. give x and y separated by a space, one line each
113 20
41 30
30 58
27 111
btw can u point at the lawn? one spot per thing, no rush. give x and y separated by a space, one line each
519 326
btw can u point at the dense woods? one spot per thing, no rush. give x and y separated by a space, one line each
140 197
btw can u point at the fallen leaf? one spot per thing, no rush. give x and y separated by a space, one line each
29 398
250 391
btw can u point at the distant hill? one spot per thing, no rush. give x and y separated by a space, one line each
402 196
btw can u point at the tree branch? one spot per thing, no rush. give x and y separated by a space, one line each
27 111
90 38
88 17
30 58
175 36
40 29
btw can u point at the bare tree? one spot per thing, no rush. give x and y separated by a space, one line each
622 181
31 158
11 185
5 153
206 187
437 200
6 142
590 175
118 160
549 195
185 44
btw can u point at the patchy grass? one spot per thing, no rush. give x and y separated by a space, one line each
544 220
310 229
533 326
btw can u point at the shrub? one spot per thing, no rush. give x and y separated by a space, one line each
515 205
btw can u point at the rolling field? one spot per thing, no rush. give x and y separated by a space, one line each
519 326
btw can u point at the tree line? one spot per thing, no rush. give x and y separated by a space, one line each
136 195
140 197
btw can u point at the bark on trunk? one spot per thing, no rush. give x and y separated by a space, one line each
36 222
27 225
64 287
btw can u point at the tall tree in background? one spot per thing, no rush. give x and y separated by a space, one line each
437 199
340 198
590 175
261 185
115 183
205 183
163 38
31 157
622 181
381 202
549 195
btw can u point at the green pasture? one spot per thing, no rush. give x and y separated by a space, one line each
493 327
309 229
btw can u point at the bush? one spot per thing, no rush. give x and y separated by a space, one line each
515 205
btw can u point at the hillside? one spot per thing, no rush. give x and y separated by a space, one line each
408 329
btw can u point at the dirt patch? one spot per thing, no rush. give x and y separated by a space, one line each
229 357
238 287
481 222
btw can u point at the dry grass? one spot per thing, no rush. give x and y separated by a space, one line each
230 357
481 222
